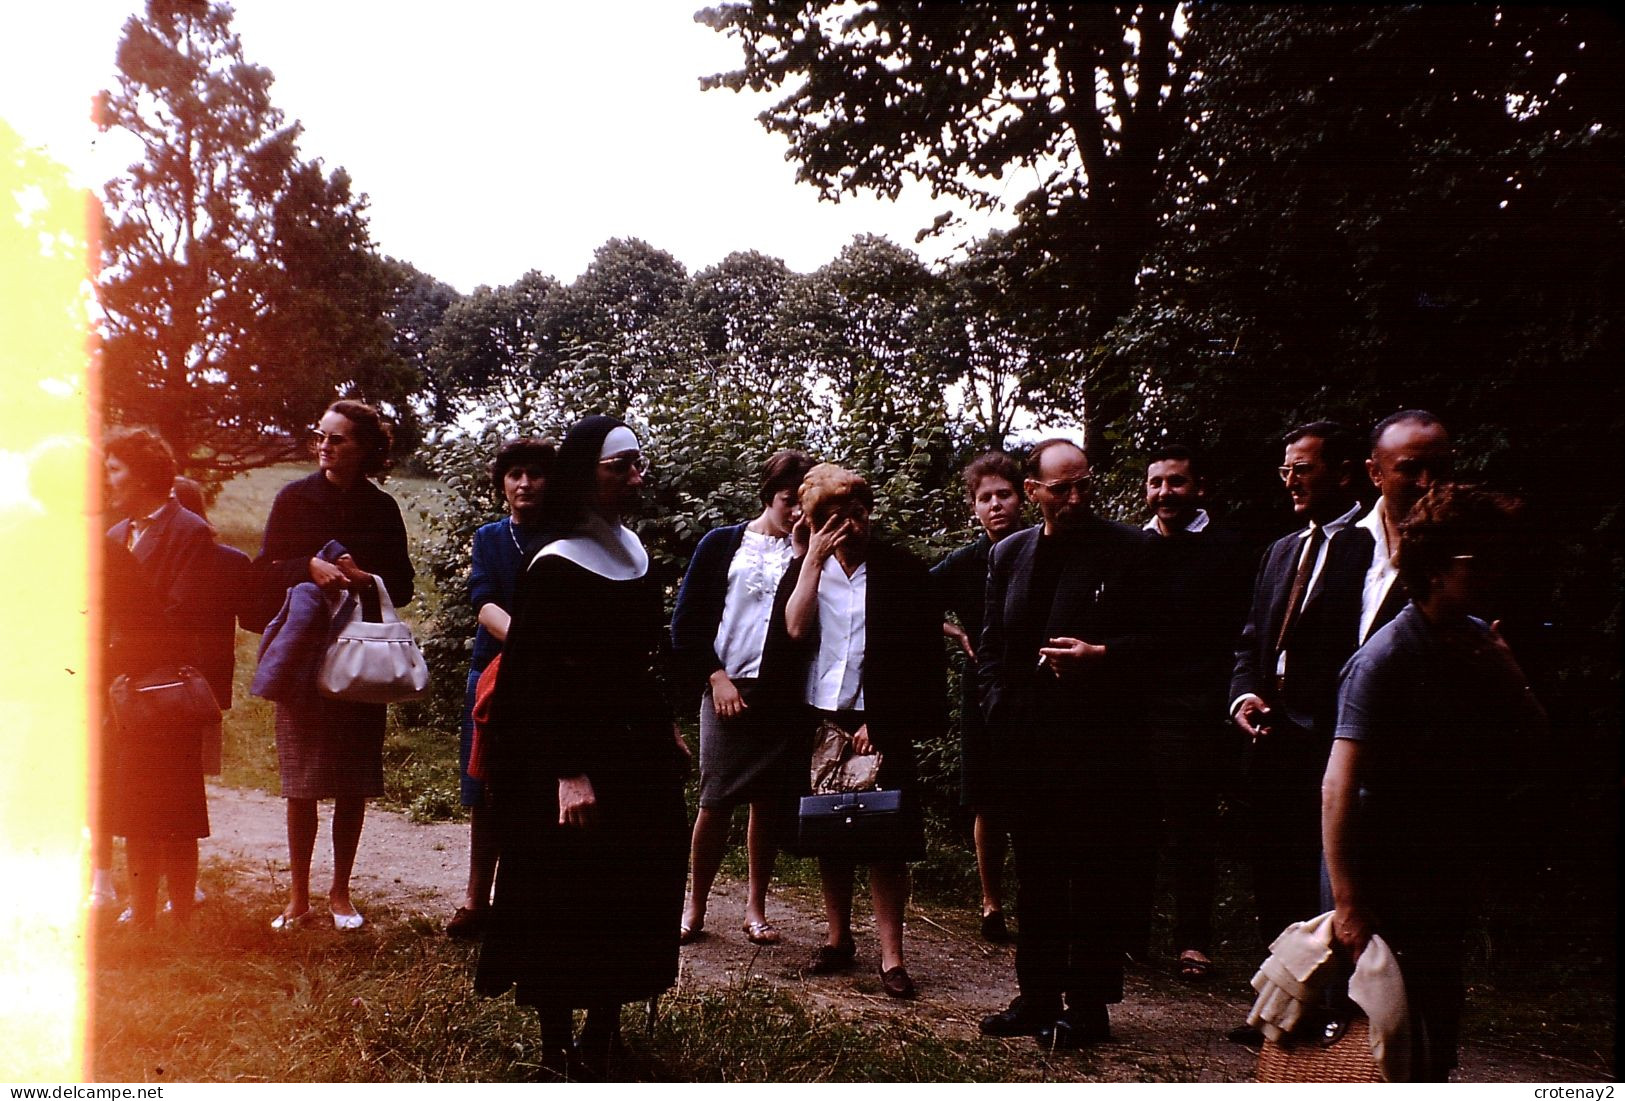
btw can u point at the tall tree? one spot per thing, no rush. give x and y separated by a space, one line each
421 302
239 289
1085 96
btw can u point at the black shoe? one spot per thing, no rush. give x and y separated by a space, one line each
1023 1018
1074 1028
467 924
896 983
1245 1035
832 958
994 928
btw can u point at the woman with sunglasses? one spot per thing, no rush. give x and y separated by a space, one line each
586 766
339 530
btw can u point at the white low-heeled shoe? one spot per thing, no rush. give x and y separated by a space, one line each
283 923
346 922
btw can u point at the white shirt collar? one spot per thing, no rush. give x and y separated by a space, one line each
1198 522
1334 526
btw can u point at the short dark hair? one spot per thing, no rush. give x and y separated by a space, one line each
1404 416
991 464
149 457
784 469
534 451
190 495
1037 453
1338 444
1178 453
372 432
1448 521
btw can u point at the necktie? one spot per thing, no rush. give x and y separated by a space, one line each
1300 584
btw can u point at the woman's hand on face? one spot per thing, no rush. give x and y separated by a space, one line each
327 576
578 806
827 539
725 697
861 743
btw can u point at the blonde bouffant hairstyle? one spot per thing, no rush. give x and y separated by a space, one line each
827 487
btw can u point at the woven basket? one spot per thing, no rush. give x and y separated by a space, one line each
1345 1057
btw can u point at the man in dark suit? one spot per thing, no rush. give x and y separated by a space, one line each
1065 630
1203 583
1302 626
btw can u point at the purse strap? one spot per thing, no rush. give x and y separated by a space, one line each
386 606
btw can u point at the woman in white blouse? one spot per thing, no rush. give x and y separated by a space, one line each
718 629
857 638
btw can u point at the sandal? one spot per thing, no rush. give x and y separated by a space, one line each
761 932
1194 966
688 934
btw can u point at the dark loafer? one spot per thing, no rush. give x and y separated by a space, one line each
1074 1028
831 958
1024 1018
994 930
466 924
896 983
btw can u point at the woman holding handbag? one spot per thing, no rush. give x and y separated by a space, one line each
155 621
717 631
327 748
856 636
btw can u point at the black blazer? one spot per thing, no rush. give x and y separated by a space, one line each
1055 731
905 681
1321 640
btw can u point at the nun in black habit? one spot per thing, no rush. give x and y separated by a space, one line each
587 766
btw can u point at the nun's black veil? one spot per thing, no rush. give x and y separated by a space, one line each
574 481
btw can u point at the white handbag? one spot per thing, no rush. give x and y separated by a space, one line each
373 662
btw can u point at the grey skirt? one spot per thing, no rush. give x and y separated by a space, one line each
752 757
330 749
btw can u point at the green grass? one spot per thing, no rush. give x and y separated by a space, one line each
233 1001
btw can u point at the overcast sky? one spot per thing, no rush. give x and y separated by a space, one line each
494 136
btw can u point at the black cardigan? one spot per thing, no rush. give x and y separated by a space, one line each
904 670
309 512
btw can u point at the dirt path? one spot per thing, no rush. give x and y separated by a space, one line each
1163 1031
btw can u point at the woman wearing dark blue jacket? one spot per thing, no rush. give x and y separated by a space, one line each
718 629
502 550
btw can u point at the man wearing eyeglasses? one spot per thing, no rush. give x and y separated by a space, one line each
1067 628
1302 627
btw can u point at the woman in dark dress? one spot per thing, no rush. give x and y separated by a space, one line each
993 491
501 551
1435 728
334 749
746 756
586 766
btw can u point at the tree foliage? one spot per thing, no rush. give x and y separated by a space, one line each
1086 97
239 289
